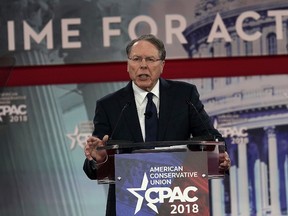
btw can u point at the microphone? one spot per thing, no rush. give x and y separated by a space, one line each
148 115
118 120
210 136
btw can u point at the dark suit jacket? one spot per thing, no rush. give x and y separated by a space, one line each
178 120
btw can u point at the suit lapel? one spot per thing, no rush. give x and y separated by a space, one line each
131 115
166 102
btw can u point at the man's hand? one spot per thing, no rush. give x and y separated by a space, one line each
225 162
91 153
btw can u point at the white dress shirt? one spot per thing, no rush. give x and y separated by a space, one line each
141 102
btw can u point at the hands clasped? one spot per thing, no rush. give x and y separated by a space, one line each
90 149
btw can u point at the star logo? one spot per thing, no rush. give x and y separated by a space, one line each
80 134
73 137
139 197
135 192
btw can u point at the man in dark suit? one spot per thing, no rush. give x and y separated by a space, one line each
121 115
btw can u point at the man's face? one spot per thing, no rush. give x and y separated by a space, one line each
144 66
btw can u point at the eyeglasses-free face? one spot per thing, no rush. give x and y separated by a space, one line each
144 65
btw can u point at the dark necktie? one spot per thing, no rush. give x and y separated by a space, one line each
151 120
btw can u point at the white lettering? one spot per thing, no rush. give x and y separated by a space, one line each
66 33
278 14
170 31
30 33
172 195
239 26
11 35
234 131
186 194
176 195
174 26
132 25
107 32
222 33
13 110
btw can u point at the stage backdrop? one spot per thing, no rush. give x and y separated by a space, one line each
49 32
43 130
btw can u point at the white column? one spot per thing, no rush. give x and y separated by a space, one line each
273 170
264 187
243 181
234 190
217 192
258 186
261 187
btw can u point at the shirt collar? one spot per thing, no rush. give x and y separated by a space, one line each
140 94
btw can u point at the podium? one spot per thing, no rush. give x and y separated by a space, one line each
162 178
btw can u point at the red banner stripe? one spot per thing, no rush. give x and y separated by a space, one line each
174 69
